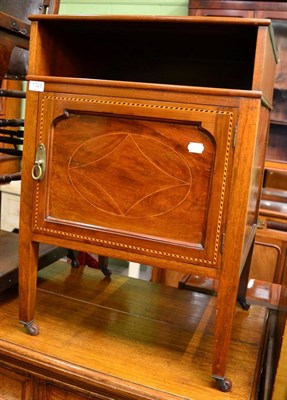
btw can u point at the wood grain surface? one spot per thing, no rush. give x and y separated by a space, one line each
128 335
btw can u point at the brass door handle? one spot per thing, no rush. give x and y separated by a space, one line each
38 170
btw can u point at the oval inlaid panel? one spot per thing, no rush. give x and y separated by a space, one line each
130 175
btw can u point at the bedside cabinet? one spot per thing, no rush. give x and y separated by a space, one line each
146 139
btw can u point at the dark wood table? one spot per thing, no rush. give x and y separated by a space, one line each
123 339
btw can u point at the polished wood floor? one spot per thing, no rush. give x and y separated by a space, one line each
132 333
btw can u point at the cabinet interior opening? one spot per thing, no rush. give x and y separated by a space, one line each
192 54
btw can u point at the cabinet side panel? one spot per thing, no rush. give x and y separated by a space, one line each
258 166
264 71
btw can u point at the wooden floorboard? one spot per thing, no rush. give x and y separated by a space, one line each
131 333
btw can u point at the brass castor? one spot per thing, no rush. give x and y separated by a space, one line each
31 328
224 384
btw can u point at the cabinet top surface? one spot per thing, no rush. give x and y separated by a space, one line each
151 18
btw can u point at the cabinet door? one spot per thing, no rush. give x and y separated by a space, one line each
14 386
146 177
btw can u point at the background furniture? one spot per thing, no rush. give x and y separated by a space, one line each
9 108
269 261
10 206
9 258
280 384
276 157
275 179
14 35
142 154
15 24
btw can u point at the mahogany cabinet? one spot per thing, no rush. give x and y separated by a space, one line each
146 142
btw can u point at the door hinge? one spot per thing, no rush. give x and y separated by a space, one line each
222 243
235 135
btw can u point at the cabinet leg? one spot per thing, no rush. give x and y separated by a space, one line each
226 302
73 257
101 264
243 303
28 268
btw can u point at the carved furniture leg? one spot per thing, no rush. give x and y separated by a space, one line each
74 260
226 302
103 265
